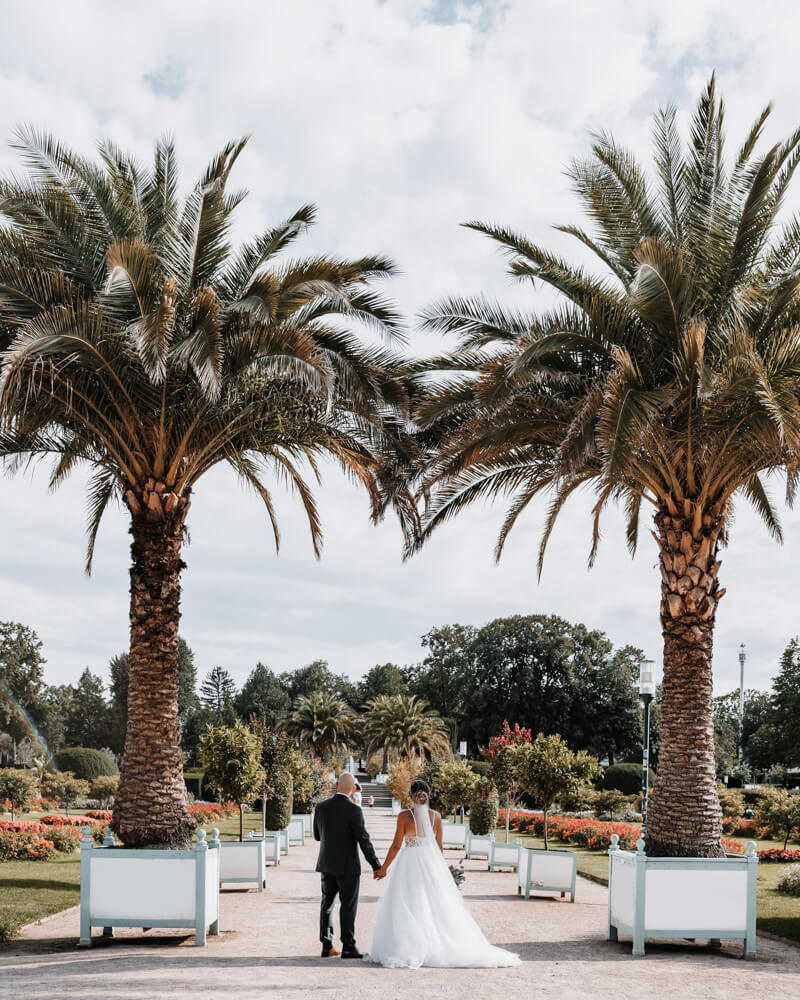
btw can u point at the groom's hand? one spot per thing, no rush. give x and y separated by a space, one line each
379 873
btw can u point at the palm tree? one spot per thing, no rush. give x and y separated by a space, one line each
404 724
145 347
323 722
669 380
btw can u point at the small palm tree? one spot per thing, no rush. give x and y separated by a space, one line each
323 722
146 348
404 724
669 381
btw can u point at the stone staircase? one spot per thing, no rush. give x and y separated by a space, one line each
381 793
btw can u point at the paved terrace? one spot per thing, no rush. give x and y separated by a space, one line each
269 948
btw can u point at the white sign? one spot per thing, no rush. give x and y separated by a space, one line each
462 748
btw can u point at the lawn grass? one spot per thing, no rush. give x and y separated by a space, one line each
777 913
30 890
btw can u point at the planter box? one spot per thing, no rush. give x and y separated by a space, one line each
547 871
282 837
478 847
243 861
397 808
710 898
454 834
121 887
296 831
504 855
307 820
272 846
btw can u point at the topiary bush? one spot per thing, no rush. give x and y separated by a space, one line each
626 778
484 807
86 763
279 806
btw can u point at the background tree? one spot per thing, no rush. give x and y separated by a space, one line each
104 788
455 781
146 348
187 681
322 722
668 380
217 693
547 768
404 725
88 720
276 755
382 679
318 676
780 813
263 695
445 673
503 767
63 786
785 707
230 755
19 786
22 687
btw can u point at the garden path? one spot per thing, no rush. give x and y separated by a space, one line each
269 948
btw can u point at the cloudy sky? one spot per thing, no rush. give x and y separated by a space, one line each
399 119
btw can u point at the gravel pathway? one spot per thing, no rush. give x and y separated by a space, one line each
269 948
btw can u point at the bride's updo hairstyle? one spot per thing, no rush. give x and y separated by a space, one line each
420 792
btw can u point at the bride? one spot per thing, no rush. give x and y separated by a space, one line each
422 919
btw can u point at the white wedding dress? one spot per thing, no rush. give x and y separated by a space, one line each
422 919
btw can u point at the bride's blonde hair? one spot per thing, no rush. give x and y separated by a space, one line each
420 792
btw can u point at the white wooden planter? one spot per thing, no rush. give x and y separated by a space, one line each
283 838
296 831
121 887
243 862
307 820
397 807
272 846
478 846
504 855
547 871
454 834
710 898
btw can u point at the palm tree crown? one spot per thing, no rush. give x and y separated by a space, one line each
670 379
323 722
404 724
141 344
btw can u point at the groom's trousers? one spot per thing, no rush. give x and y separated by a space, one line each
346 888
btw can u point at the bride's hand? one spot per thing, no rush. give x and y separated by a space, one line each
379 873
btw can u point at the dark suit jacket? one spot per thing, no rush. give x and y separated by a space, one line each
339 826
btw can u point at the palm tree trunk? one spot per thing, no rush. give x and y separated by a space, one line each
684 816
150 805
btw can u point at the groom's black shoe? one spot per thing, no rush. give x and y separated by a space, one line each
329 952
351 953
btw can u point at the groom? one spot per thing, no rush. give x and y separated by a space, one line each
339 826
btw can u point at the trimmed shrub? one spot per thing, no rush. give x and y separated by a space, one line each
104 788
86 763
279 807
374 766
483 808
625 778
480 767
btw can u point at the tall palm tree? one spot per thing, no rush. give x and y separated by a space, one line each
148 349
669 379
403 724
323 722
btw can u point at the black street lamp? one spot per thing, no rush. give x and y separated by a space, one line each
647 690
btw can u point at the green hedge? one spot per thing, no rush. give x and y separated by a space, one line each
86 763
279 808
483 808
626 778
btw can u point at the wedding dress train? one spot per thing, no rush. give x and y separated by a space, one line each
422 919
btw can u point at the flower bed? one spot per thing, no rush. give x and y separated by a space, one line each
775 855
735 826
19 845
101 815
592 833
64 839
78 822
212 812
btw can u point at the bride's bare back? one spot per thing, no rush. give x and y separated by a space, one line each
406 832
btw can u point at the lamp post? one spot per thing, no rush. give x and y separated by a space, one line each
647 690
742 658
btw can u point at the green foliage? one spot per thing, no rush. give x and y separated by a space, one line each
480 767
779 812
579 799
231 757
86 762
731 800
384 678
264 696
610 801
63 786
303 787
104 788
322 722
626 778
19 786
402 725
374 766
789 881
785 707
455 782
21 679
318 676
484 807
547 768
280 803
216 695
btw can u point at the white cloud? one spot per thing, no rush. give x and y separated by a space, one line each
401 120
